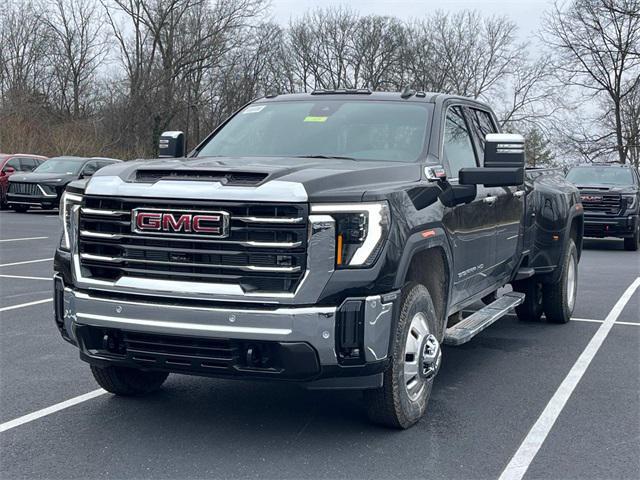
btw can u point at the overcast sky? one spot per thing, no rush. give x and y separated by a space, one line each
526 13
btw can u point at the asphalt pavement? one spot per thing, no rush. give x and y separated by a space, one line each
487 397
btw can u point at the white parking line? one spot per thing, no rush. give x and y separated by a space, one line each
26 278
25 262
21 239
530 446
49 410
22 305
595 321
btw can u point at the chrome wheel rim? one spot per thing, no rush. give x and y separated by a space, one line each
571 284
422 357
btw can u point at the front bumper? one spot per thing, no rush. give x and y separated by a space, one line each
601 226
305 343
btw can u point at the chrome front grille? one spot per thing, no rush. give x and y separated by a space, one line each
21 188
265 249
603 203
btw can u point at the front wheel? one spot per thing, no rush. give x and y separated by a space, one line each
631 244
415 360
128 381
559 298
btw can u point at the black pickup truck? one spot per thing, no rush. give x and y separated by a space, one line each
332 239
610 196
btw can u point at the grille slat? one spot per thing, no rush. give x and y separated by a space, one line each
264 251
24 188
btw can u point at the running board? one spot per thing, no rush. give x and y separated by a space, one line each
468 328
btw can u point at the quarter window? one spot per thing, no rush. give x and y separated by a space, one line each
457 147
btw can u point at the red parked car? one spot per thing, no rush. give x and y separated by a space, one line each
18 162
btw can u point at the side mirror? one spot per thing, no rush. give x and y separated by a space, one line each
171 145
454 195
9 170
504 163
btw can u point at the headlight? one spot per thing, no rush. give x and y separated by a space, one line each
630 201
67 202
361 229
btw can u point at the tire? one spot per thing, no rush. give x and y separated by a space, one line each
559 298
631 244
20 208
128 382
401 403
532 308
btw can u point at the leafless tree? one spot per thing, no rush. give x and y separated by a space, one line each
596 45
78 47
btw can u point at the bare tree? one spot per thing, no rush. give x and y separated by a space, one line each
77 49
596 45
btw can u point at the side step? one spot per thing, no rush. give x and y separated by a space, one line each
468 328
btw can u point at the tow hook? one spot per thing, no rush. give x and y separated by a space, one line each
431 357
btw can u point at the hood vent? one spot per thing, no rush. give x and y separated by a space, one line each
226 178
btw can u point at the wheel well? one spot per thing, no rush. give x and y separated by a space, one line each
576 233
430 268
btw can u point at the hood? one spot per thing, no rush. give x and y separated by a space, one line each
53 178
253 178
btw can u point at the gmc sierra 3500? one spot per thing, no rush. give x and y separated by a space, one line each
331 239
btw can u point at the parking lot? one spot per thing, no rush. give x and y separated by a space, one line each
564 399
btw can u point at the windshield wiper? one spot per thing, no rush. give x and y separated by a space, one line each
329 157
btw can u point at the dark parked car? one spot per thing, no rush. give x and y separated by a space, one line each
44 186
611 197
10 164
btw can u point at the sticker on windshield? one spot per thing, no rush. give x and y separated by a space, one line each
315 119
254 109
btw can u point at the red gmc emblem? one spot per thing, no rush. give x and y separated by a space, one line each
180 222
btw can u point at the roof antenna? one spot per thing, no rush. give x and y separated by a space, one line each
407 92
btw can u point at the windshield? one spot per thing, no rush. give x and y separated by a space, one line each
59 165
359 130
600 176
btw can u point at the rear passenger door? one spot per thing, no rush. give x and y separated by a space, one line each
509 204
471 226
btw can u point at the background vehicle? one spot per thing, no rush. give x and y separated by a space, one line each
611 198
330 239
10 164
44 185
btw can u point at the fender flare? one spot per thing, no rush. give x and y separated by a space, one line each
418 242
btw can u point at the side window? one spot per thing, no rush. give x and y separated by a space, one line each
28 164
457 148
15 163
103 164
483 124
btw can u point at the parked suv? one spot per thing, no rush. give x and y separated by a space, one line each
610 196
10 164
331 239
44 186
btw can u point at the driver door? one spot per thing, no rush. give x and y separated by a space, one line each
471 227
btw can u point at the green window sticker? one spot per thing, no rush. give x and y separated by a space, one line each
315 119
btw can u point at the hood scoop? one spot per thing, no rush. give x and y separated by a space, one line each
223 177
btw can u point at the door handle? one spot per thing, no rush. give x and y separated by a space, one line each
490 200
519 193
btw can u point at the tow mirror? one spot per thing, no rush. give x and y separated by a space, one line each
504 163
171 145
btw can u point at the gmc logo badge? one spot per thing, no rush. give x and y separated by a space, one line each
185 223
